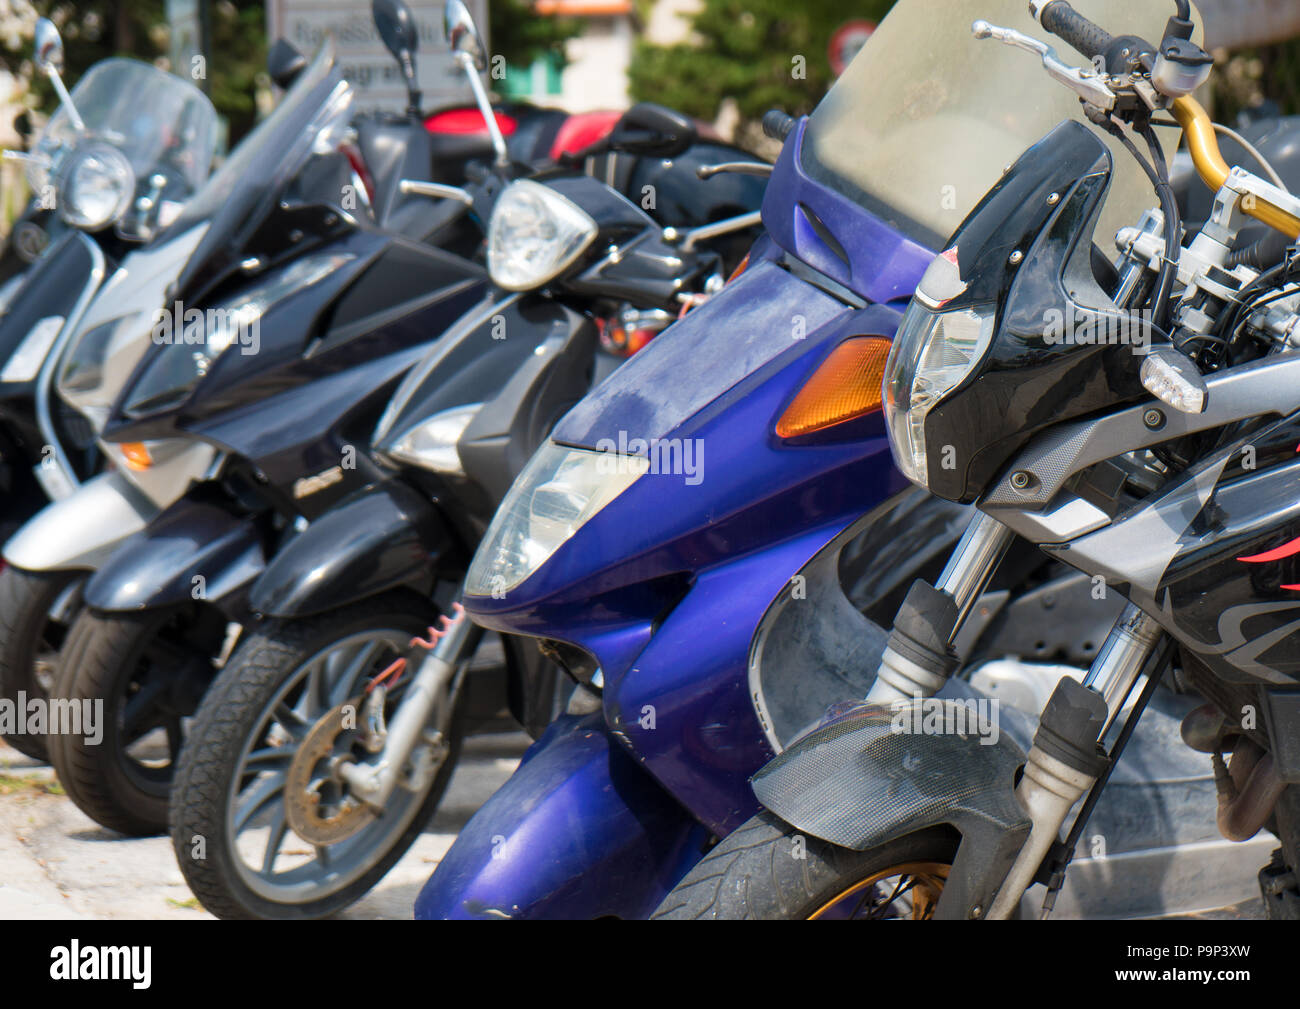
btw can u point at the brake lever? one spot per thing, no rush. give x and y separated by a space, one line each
735 167
1091 88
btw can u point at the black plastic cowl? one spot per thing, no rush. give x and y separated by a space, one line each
924 626
1071 725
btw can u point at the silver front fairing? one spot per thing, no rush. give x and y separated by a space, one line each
133 295
81 530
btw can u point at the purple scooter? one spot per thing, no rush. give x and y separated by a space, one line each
710 539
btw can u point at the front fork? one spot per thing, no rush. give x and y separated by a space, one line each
1066 759
408 741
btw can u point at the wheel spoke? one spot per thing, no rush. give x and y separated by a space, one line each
268 757
140 705
291 721
279 827
343 686
258 795
315 693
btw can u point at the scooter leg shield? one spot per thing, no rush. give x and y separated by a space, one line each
879 772
194 550
579 831
83 530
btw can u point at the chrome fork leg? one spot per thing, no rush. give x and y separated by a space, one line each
1064 762
915 662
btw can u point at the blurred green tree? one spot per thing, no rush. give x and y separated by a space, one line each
93 30
763 54
521 35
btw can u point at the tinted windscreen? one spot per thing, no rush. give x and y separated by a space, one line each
926 117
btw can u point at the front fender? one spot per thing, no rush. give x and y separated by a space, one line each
875 773
83 530
375 540
579 831
194 550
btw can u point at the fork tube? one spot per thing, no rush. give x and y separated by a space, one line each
972 564
919 657
1119 662
1064 761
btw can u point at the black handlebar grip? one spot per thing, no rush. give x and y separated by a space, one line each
1067 24
777 125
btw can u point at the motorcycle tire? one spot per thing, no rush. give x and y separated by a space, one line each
30 640
101 664
228 725
766 869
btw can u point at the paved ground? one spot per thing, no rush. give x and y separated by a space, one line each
57 863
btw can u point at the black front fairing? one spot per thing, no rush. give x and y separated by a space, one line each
528 360
1061 348
329 356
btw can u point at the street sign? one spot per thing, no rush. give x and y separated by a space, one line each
847 41
370 67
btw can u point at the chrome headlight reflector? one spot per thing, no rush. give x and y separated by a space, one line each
431 444
95 187
559 491
933 353
535 235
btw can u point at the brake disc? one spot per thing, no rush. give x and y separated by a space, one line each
316 800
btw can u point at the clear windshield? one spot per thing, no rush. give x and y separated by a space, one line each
164 125
307 119
923 121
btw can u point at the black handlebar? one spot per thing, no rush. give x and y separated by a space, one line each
1067 24
777 125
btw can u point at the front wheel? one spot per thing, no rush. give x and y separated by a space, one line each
34 609
262 824
767 869
130 679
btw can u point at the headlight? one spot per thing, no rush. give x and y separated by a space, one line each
557 493
25 362
95 187
431 444
535 235
932 355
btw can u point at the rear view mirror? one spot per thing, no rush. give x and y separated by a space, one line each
49 47
462 34
653 131
397 28
284 63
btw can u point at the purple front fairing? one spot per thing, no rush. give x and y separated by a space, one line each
872 259
577 812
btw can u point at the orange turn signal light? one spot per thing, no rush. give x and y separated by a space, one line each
846 386
136 456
